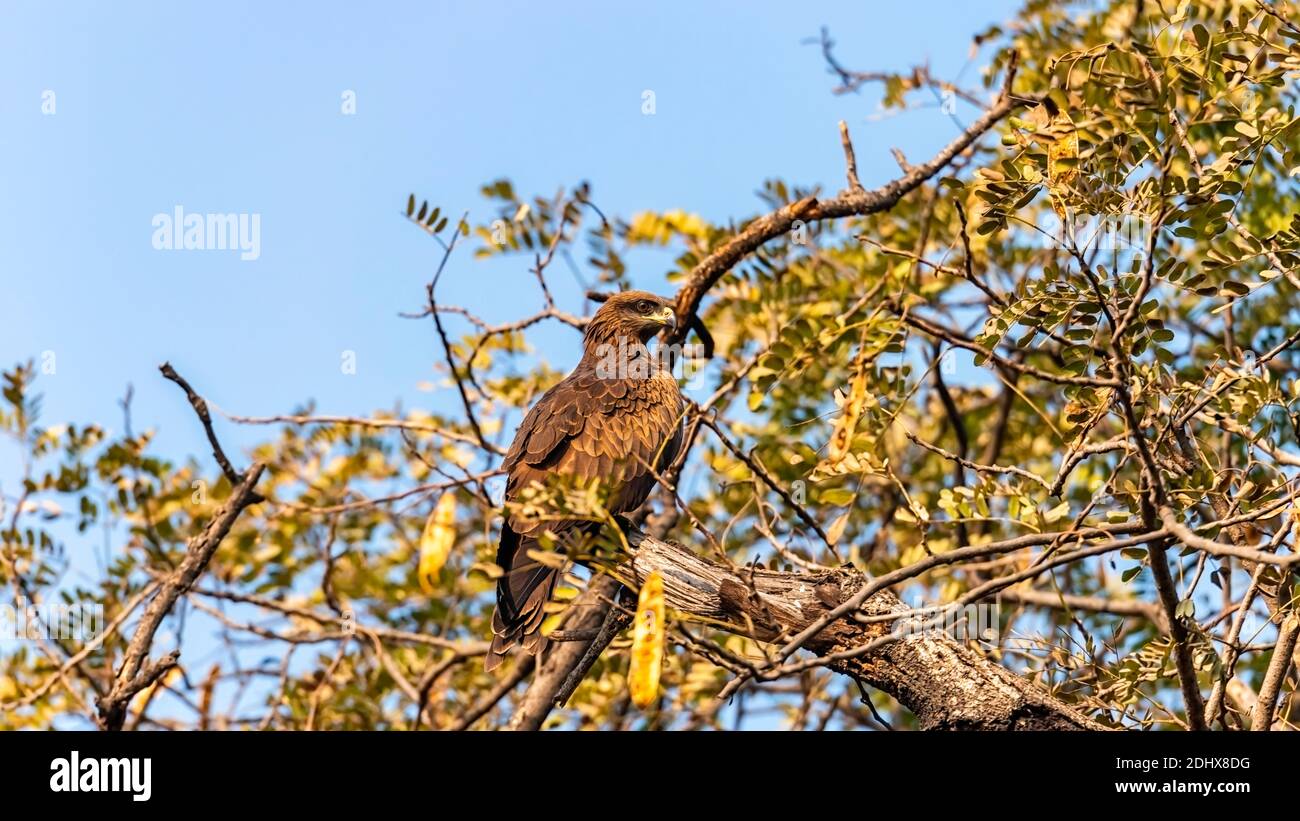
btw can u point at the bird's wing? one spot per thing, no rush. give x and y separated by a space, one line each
588 427
551 422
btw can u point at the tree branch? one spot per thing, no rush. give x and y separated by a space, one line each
945 684
136 672
849 203
588 612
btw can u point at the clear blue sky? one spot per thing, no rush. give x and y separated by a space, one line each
235 107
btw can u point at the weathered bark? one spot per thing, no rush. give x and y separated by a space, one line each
945 684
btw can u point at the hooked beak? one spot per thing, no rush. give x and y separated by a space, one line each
667 316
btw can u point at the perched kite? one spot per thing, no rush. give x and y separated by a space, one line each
616 419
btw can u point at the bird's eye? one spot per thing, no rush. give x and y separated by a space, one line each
644 306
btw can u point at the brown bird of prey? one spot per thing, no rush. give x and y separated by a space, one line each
616 419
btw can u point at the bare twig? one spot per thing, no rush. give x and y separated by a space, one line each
136 671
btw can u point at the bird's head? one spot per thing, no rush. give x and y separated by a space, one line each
634 315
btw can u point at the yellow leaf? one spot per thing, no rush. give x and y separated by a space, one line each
647 642
1057 512
168 679
842 436
836 530
548 558
1063 152
436 541
1062 157
490 569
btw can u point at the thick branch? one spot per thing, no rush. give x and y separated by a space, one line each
1287 634
945 684
130 679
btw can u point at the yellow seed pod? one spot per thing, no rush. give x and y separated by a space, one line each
647 642
436 541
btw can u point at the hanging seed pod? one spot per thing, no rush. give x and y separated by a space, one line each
436 541
647 642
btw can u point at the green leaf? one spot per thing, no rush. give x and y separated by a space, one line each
837 496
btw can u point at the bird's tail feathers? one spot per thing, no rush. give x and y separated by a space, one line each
522 594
